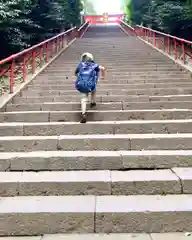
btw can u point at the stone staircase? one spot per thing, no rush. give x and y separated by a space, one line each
128 169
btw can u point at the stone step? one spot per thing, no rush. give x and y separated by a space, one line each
59 183
77 97
121 75
107 87
60 106
110 236
100 98
156 64
115 80
101 127
95 160
101 115
75 106
128 69
173 92
109 142
40 215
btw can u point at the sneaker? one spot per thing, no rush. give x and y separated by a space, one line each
93 105
83 118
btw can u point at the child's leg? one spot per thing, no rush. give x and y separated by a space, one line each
84 100
93 97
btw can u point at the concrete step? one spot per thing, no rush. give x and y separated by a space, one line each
121 75
75 106
107 87
77 97
127 70
104 142
110 115
114 80
173 92
60 106
59 183
100 127
95 160
153 63
101 98
40 215
110 236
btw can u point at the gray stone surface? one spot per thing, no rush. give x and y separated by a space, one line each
116 214
66 161
144 182
30 116
159 142
46 215
185 174
171 236
96 237
94 142
55 183
113 236
28 143
156 159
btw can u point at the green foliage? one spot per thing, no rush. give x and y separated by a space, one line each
26 22
171 16
89 8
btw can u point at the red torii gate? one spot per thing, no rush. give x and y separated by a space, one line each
103 19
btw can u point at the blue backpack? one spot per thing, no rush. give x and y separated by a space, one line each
87 77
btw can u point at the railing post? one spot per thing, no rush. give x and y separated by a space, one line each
24 68
12 76
154 39
33 61
41 55
62 41
175 48
47 52
168 45
183 52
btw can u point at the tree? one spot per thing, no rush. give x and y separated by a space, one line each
170 16
13 25
89 8
26 22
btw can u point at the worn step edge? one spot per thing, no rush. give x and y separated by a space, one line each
15 124
135 182
102 111
110 236
87 214
179 141
101 136
94 160
99 127
123 104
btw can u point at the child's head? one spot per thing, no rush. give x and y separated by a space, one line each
86 57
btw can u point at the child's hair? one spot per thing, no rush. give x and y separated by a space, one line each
86 57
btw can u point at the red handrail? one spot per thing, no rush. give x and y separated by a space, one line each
164 34
17 66
127 28
174 46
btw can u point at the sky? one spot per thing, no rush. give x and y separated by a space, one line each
109 6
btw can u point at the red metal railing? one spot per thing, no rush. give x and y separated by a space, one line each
103 19
15 69
176 47
127 28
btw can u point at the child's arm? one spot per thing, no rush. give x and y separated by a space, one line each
102 69
77 70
